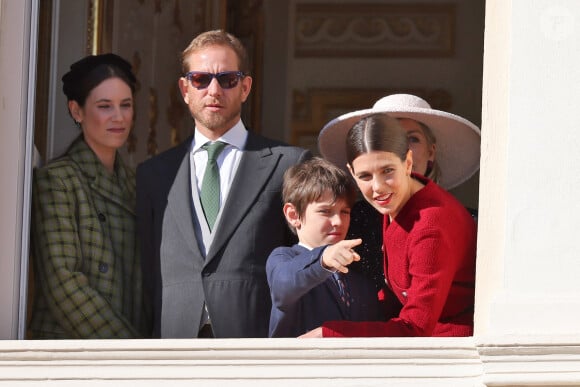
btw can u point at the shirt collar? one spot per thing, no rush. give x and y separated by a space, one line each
305 246
236 137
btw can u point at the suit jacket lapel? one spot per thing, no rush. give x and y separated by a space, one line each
179 204
253 173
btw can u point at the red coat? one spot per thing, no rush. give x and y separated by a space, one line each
430 267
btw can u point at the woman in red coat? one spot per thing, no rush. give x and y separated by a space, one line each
429 238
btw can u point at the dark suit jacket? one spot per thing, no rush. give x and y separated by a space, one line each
231 279
305 295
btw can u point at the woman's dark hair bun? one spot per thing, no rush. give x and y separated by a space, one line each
82 76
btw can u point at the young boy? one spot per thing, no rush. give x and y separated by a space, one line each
310 282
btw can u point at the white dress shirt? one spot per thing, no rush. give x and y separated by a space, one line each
228 160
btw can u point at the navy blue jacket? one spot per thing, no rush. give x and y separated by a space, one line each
304 294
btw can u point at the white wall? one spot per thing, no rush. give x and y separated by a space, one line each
543 151
491 243
528 254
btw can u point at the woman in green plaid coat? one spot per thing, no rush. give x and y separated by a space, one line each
87 268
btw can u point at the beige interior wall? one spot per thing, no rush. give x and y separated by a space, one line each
460 74
151 35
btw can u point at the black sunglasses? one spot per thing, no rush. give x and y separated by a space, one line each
226 79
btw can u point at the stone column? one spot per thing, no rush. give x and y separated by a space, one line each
528 265
17 20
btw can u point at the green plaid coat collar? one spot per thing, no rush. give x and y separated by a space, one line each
117 187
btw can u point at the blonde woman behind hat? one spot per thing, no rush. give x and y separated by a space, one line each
423 143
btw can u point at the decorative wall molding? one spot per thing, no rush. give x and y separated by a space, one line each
530 360
249 362
374 30
313 108
467 361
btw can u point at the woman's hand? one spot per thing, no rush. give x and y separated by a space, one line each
315 333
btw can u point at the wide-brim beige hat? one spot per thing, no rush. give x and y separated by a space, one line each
458 140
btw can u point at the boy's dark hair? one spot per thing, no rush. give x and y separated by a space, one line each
306 182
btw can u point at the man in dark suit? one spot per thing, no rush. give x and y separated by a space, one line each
204 274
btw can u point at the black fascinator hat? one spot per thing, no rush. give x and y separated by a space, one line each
87 73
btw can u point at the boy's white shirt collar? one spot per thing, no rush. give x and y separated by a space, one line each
305 246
